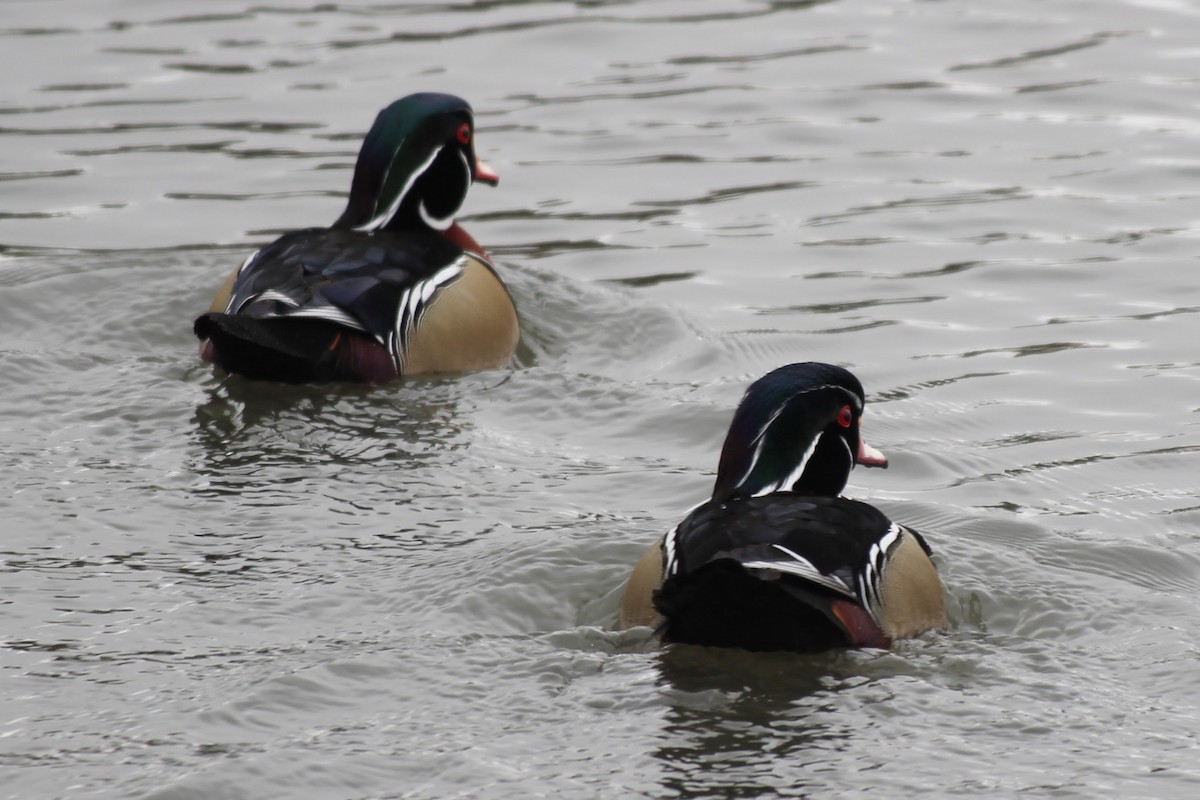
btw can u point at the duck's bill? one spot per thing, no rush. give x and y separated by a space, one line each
485 174
870 457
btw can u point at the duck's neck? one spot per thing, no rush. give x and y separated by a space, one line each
457 235
827 470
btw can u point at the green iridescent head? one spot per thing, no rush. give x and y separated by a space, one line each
796 429
415 165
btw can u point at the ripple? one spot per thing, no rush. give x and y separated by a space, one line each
1035 55
750 58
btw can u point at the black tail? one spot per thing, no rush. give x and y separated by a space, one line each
285 350
723 605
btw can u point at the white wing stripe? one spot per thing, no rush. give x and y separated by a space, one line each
669 563
276 296
413 302
328 313
802 567
803 570
872 572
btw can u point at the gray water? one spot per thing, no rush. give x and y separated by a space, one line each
217 589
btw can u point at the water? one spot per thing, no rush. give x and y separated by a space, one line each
215 589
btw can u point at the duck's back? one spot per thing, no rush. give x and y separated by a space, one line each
349 276
330 304
787 572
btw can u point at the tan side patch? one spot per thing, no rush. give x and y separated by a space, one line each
221 298
911 596
219 302
470 325
637 607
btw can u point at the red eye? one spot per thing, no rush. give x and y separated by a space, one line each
845 417
464 133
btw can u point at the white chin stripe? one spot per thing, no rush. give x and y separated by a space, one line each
442 223
434 222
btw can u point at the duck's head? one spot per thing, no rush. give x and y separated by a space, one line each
797 428
415 165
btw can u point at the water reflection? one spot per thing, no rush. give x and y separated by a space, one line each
732 715
279 433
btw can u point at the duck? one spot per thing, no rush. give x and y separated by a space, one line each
394 287
777 559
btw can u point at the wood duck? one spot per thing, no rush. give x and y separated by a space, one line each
777 559
394 287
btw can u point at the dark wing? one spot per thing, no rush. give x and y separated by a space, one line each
378 283
830 543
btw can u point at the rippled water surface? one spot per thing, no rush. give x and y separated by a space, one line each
217 589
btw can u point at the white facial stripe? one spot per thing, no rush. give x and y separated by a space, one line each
762 432
793 476
753 460
760 440
381 219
